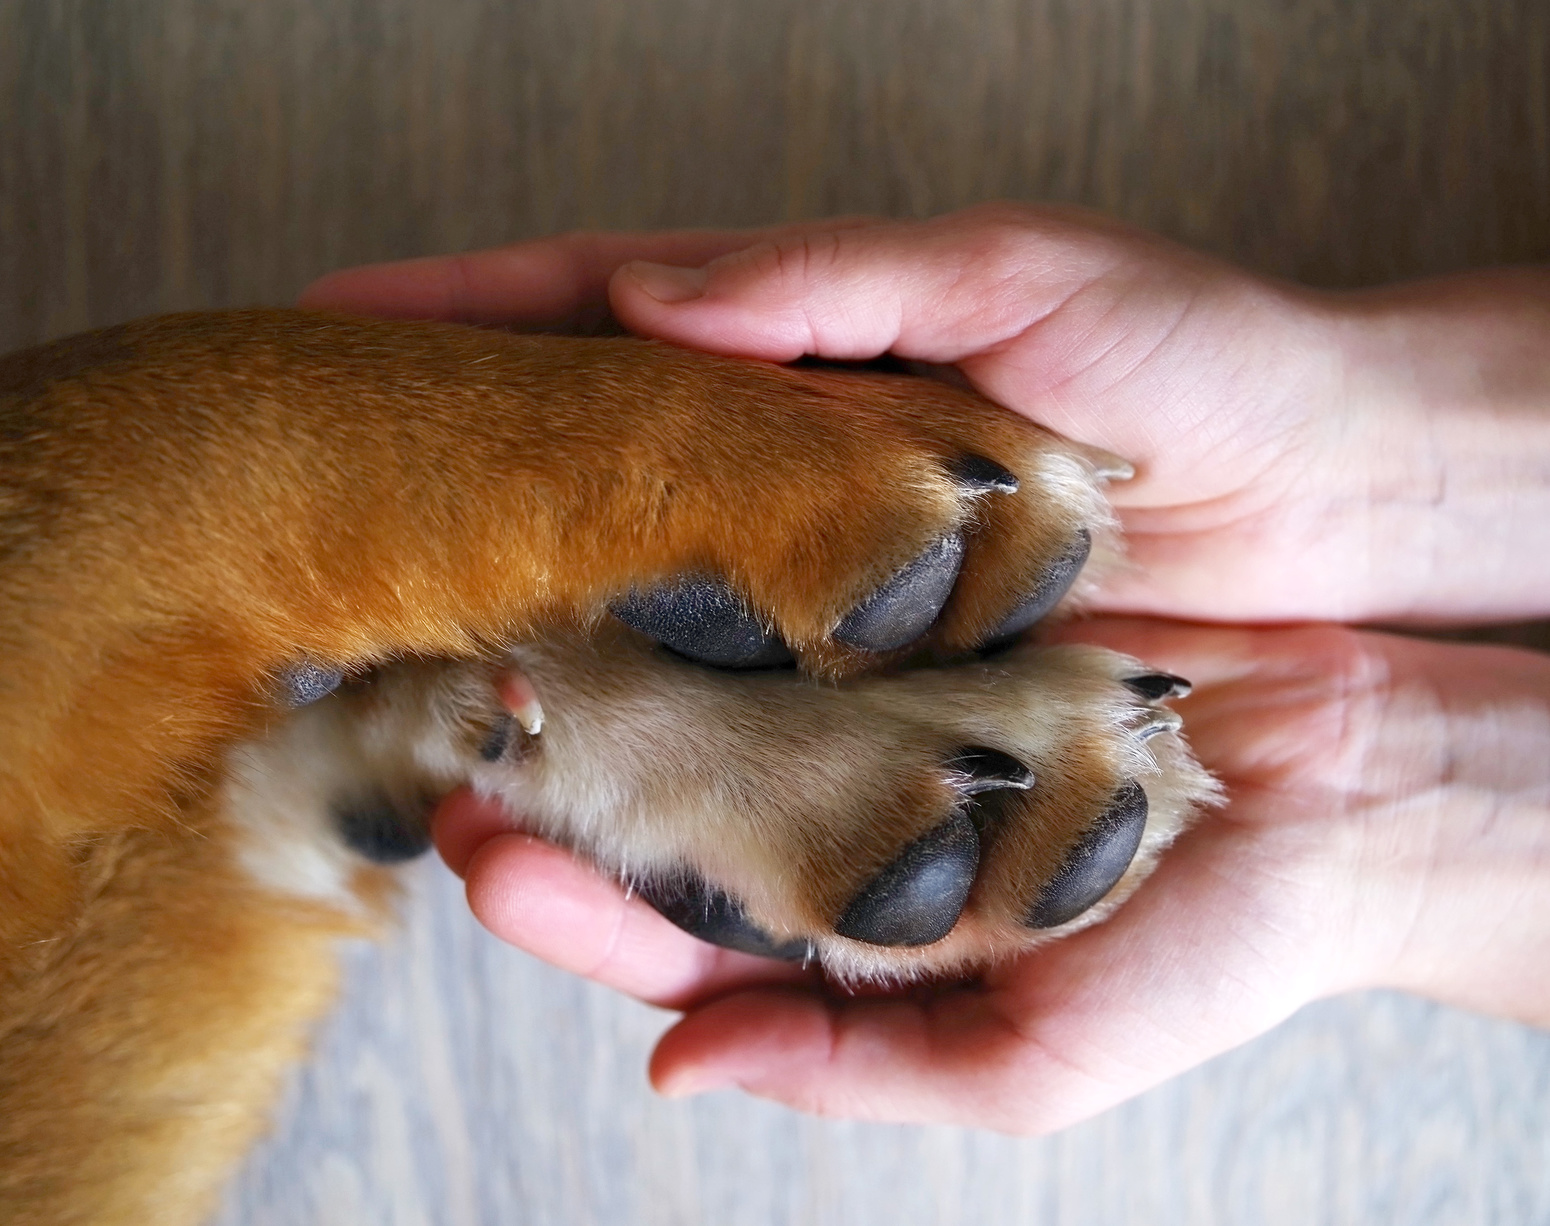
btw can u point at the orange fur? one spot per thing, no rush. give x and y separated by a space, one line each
190 504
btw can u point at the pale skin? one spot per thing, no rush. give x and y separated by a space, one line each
1381 456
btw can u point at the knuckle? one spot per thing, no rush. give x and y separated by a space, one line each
1354 687
859 221
1352 660
799 259
796 259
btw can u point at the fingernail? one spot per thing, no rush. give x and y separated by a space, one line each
691 1081
668 283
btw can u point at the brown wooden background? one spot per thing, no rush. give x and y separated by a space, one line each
157 154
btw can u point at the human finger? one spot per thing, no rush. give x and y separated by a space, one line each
544 282
1102 333
542 899
1255 911
938 290
1208 955
463 823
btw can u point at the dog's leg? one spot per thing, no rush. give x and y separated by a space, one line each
190 507
144 1040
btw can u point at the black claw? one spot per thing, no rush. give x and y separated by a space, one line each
383 831
978 475
989 770
715 916
1053 584
1157 686
701 618
306 682
918 898
903 609
499 740
1093 866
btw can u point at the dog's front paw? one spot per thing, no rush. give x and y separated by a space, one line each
859 516
891 826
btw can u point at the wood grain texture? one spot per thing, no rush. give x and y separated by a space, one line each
464 1084
221 152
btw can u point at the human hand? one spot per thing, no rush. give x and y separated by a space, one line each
1383 455
1300 455
1387 828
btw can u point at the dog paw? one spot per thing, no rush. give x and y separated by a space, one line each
891 826
927 820
897 513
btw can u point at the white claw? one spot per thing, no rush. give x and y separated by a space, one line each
1107 466
1157 722
519 697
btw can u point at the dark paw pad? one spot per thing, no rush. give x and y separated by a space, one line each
978 475
903 609
498 741
305 683
700 617
1052 586
1094 865
385 831
715 916
1156 686
917 899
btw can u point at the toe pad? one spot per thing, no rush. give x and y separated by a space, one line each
903 609
383 831
1093 867
917 899
306 682
1051 588
715 916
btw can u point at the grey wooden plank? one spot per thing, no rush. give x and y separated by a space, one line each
216 152
464 1084
207 152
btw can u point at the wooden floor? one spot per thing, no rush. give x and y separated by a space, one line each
216 152
465 1085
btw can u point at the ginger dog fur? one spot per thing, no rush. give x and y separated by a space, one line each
190 504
